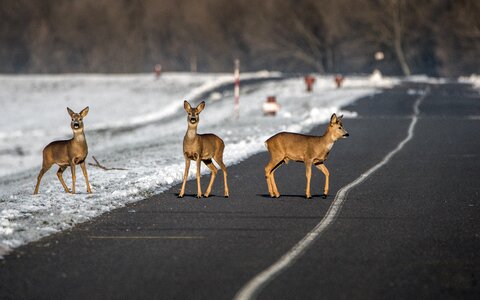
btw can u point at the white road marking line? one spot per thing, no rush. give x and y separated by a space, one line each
255 285
126 237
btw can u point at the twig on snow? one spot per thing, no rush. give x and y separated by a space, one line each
98 165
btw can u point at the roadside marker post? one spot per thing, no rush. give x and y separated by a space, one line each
158 70
309 81
339 80
271 106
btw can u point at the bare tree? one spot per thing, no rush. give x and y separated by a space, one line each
386 25
397 11
282 32
457 38
431 36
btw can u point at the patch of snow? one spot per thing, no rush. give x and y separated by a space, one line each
473 79
425 79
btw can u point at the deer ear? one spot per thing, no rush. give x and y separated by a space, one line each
201 106
84 112
187 106
70 112
333 119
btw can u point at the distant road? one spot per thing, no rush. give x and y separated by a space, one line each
409 230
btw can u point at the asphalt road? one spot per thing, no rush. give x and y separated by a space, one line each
409 231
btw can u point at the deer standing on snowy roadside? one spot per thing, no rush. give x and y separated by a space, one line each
201 148
67 153
285 146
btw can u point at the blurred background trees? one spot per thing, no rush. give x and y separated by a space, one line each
434 37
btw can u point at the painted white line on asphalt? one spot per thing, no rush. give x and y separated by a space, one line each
255 285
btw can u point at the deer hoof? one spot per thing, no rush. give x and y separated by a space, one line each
226 196
199 196
180 196
206 195
308 197
324 196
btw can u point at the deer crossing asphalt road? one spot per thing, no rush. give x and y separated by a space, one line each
409 230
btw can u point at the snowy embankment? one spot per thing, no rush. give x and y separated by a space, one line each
136 123
473 79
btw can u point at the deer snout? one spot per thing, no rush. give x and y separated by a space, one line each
76 125
193 120
346 135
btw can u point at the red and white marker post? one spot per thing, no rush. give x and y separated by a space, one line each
158 70
236 90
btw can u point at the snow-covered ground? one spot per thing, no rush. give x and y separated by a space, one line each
473 79
137 123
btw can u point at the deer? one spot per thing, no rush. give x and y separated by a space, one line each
202 148
67 153
309 149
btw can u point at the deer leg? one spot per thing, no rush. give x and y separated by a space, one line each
185 175
269 169
324 170
272 179
74 177
219 160
84 170
212 167
199 187
44 169
308 174
273 186
60 177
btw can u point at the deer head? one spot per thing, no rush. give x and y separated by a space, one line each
193 113
77 119
336 128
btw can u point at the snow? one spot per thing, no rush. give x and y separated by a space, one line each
137 122
425 79
473 79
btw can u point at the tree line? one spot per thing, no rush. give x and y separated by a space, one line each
434 37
